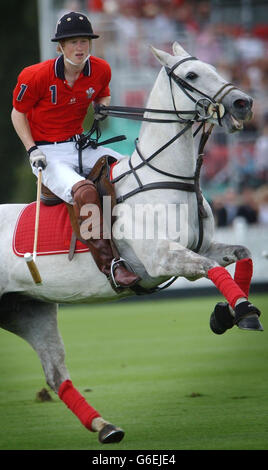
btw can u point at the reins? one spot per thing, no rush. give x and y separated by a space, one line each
137 114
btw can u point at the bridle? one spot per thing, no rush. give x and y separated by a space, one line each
206 107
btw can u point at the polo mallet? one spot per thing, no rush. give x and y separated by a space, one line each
30 258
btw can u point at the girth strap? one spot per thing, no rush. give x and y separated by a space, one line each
159 185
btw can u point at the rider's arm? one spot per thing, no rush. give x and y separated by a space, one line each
105 100
22 127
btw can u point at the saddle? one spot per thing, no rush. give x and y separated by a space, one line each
100 176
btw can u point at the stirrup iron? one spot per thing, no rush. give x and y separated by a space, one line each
114 263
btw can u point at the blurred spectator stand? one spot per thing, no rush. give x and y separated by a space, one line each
233 36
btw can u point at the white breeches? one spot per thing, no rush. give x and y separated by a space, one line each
62 170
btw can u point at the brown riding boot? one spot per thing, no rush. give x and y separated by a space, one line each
105 257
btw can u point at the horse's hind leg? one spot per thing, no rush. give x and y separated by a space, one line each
223 316
36 322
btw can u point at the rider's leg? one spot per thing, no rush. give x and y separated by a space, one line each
84 192
63 170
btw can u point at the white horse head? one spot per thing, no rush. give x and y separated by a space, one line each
198 79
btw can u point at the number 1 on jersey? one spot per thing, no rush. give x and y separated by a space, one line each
53 89
23 88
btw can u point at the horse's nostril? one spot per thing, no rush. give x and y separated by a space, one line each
240 104
243 103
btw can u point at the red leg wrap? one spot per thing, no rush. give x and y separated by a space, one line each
243 274
77 404
226 285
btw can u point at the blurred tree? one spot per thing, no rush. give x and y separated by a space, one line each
19 48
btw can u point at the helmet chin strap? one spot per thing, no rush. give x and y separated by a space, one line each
70 61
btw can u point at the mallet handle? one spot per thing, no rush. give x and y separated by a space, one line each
33 268
37 213
30 259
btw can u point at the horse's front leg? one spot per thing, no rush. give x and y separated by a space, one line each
225 254
170 258
223 316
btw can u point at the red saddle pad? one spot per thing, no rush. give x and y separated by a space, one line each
54 233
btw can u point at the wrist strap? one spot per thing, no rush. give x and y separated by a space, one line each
34 147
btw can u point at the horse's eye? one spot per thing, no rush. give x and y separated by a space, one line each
191 75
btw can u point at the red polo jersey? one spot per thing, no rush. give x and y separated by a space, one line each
55 110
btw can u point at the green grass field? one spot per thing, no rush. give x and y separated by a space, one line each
153 368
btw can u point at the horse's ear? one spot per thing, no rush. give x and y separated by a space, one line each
178 50
162 56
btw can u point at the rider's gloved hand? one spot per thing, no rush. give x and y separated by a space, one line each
98 116
37 157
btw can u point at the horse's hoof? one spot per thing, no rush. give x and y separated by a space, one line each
221 318
250 323
110 434
247 317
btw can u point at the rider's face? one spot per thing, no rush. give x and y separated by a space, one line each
76 49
